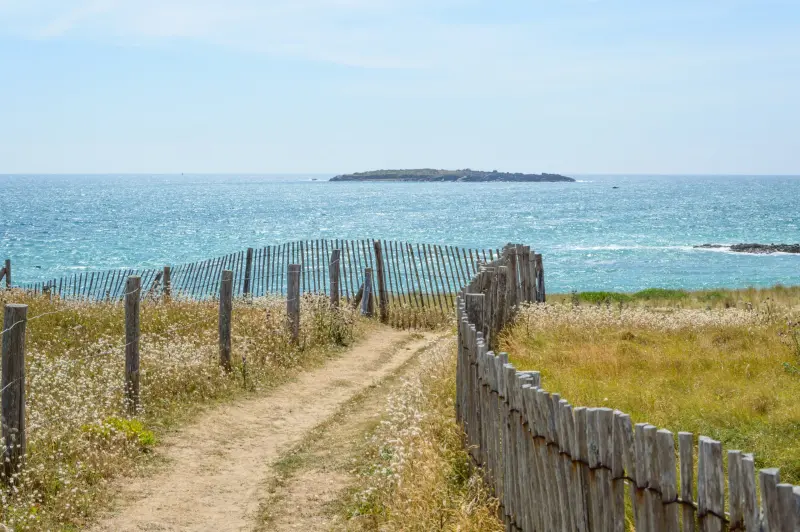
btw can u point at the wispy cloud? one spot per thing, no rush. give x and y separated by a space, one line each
371 33
578 41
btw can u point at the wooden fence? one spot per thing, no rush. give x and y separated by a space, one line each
555 467
416 275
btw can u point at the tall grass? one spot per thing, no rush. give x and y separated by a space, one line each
784 296
78 435
416 474
727 373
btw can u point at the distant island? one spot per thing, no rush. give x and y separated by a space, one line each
467 175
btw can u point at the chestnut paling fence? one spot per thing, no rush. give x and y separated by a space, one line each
429 277
558 467
415 275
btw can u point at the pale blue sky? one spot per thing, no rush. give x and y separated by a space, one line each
570 86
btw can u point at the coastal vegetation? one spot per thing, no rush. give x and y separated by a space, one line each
79 437
722 363
466 175
415 473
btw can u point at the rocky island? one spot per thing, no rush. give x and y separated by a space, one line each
759 249
467 175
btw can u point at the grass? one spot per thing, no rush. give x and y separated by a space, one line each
79 437
723 363
717 298
415 473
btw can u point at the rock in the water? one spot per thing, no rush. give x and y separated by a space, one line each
766 248
759 249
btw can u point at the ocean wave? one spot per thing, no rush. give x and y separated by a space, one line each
623 247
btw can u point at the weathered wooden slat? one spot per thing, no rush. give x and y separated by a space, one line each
133 289
686 454
413 262
735 496
360 266
770 506
752 517
710 485
293 301
403 250
398 274
224 325
15 319
622 464
428 291
449 290
640 507
668 480
786 511
431 275
383 299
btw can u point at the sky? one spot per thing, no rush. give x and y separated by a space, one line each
335 86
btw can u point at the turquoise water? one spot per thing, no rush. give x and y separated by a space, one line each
593 237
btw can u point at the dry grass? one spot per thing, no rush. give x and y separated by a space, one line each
78 435
680 364
415 474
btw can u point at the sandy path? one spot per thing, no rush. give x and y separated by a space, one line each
217 466
307 493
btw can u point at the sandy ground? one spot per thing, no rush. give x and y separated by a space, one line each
217 468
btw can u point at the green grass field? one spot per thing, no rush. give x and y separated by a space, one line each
723 363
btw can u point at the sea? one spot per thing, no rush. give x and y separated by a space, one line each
604 232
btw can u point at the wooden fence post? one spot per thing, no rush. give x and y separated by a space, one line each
13 397
334 272
167 287
540 292
248 272
524 254
7 272
367 302
383 301
133 293
293 300
225 311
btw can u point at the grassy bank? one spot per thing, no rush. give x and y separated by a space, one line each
782 296
78 435
415 473
725 364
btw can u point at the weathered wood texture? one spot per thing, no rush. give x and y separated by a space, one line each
133 288
248 272
383 297
15 319
6 272
293 301
167 282
334 274
367 298
225 314
555 467
418 275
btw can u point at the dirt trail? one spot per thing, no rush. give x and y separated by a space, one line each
310 482
217 466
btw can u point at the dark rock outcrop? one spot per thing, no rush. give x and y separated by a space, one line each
759 249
